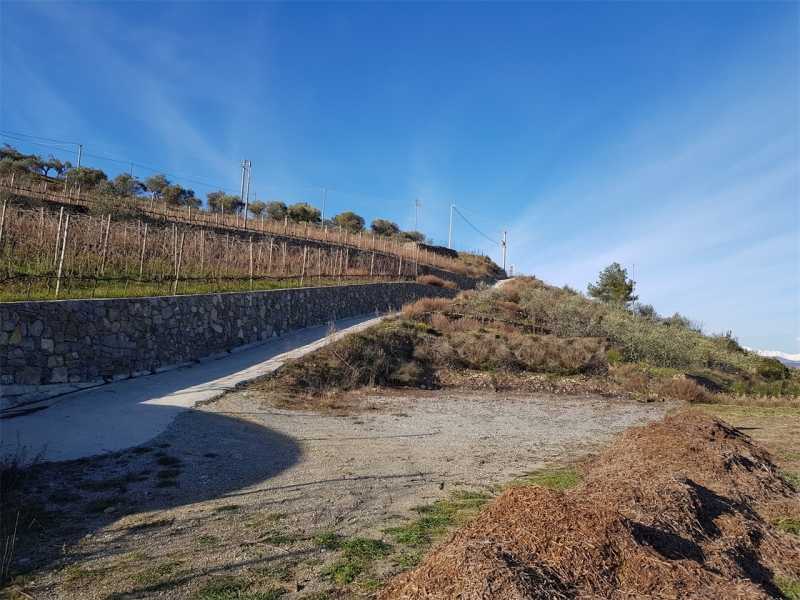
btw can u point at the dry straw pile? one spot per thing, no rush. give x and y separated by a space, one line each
678 509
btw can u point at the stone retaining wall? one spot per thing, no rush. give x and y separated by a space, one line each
50 345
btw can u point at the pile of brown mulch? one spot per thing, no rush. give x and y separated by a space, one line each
680 508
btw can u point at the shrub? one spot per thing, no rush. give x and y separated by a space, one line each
633 378
684 389
415 310
436 281
772 368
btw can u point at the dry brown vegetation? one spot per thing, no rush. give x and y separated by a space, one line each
436 281
125 246
530 336
683 507
103 256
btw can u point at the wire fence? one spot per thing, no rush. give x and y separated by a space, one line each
64 192
65 254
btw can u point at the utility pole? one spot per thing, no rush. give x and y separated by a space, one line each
450 234
324 193
416 208
244 169
247 196
80 151
503 245
633 289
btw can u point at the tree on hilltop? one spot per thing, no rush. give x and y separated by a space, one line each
219 201
384 227
276 210
257 207
302 212
87 177
349 221
157 184
613 286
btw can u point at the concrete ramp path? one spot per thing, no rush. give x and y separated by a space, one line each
128 413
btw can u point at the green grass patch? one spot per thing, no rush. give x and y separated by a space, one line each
436 519
664 372
142 450
371 584
344 571
167 483
359 554
792 456
169 461
138 556
788 524
161 576
554 480
225 508
793 479
788 587
77 574
232 588
365 549
206 540
409 560
277 538
328 540
151 524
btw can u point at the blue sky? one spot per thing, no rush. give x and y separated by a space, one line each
665 135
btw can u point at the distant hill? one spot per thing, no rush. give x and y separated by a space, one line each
790 360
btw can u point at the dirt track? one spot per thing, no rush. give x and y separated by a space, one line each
295 474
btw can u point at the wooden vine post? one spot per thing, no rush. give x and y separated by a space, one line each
105 248
178 266
251 263
141 259
3 221
58 233
303 272
63 252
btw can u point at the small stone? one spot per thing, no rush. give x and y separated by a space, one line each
110 509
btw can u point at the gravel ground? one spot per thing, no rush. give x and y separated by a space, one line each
251 485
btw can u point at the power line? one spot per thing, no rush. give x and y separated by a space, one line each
475 228
36 137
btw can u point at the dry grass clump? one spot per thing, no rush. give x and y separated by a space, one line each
684 389
437 281
551 354
416 310
672 510
632 377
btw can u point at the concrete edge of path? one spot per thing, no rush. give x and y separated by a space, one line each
54 394
128 413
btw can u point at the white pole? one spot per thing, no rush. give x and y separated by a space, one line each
247 198
450 234
504 250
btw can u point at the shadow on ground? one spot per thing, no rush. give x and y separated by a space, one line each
202 456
